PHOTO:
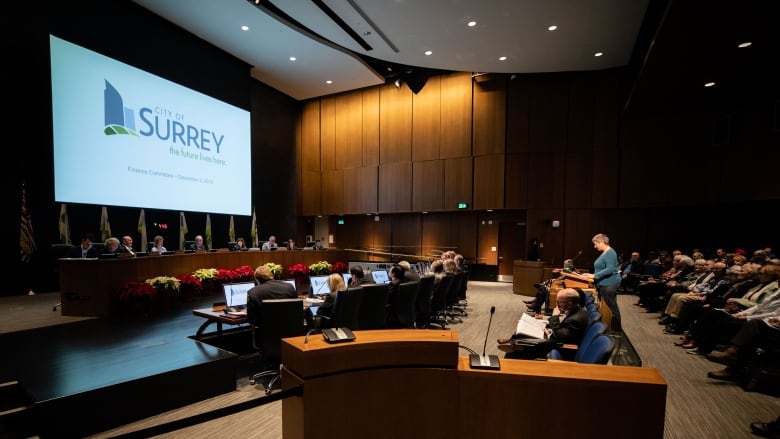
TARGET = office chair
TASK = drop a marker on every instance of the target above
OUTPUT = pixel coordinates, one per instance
(403, 305)
(453, 315)
(594, 330)
(280, 318)
(346, 311)
(438, 315)
(373, 306)
(422, 305)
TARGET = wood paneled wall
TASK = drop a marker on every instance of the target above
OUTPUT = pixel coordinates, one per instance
(549, 147)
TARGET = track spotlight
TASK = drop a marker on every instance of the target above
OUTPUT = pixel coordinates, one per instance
(398, 83)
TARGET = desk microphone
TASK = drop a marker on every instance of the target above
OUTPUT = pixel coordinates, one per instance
(485, 361)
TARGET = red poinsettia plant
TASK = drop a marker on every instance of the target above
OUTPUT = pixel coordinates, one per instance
(244, 272)
(339, 267)
(298, 270)
(189, 284)
(136, 290)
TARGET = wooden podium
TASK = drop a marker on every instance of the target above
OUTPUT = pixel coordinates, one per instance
(414, 383)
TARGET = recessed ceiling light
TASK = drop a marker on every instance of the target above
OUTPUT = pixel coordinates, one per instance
(244, 27)
(553, 27)
(329, 81)
(292, 58)
(471, 23)
(428, 53)
(598, 54)
(709, 84)
(502, 58)
(745, 44)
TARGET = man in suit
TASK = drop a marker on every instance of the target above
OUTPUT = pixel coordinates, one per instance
(358, 277)
(198, 244)
(126, 246)
(85, 250)
(630, 272)
(566, 325)
(267, 288)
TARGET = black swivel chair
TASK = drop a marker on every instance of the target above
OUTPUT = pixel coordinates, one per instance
(346, 311)
(438, 315)
(453, 314)
(422, 306)
(403, 305)
(373, 306)
(280, 318)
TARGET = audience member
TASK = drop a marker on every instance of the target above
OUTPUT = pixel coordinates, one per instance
(566, 325)
(198, 244)
(460, 262)
(760, 289)
(158, 245)
(631, 272)
(85, 249)
(718, 282)
(766, 429)
(270, 244)
(396, 279)
(267, 288)
(605, 276)
(754, 333)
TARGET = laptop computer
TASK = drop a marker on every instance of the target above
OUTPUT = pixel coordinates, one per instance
(380, 277)
(290, 281)
(236, 296)
(319, 285)
(347, 278)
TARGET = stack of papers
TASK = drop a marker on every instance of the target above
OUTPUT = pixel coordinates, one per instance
(530, 326)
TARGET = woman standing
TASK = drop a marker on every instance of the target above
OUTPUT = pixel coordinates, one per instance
(606, 277)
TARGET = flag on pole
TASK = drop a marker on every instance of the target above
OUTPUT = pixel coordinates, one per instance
(26, 238)
(182, 230)
(253, 232)
(232, 230)
(64, 225)
(207, 238)
(142, 230)
(105, 226)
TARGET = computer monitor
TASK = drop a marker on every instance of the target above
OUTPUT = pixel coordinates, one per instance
(380, 277)
(347, 278)
(236, 294)
(319, 285)
(290, 281)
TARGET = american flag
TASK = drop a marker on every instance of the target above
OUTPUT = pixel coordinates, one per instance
(26, 239)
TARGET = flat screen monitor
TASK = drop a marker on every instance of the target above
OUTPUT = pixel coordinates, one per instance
(380, 277)
(236, 294)
(319, 285)
(290, 281)
(347, 278)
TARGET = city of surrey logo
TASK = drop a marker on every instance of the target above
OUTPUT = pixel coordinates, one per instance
(118, 119)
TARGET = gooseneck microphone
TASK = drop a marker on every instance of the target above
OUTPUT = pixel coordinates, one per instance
(485, 361)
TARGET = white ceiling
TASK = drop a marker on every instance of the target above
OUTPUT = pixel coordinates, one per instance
(516, 29)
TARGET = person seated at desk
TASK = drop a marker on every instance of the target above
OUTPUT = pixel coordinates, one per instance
(270, 244)
(335, 284)
(127, 246)
(85, 250)
(318, 245)
(111, 246)
(240, 245)
(267, 288)
(291, 244)
(566, 325)
(158, 245)
(358, 277)
(198, 244)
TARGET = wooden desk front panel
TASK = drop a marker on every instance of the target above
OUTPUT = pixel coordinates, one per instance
(374, 403)
(595, 401)
(88, 286)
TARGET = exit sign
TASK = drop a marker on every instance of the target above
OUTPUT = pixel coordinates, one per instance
(463, 205)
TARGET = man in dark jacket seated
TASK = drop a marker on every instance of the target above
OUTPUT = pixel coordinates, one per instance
(567, 325)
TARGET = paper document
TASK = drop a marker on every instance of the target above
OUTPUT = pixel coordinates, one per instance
(530, 326)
